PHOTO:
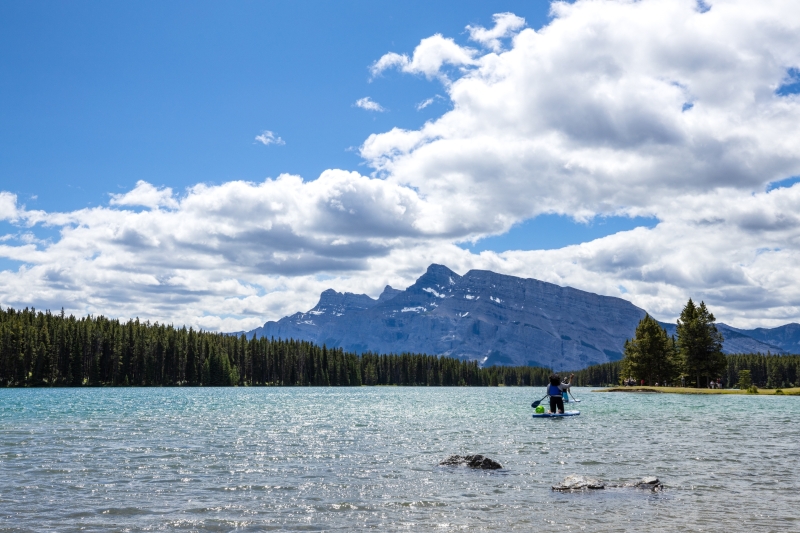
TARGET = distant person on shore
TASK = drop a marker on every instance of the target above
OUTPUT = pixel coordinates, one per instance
(556, 392)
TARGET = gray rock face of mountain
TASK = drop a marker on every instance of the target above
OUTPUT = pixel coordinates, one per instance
(780, 340)
(388, 293)
(489, 317)
(784, 338)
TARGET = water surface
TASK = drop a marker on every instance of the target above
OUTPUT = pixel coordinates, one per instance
(326, 459)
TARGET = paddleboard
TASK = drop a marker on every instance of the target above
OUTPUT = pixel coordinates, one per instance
(556, 415)
(570, 399)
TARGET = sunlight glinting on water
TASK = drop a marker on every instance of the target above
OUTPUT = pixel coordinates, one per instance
(219, 459)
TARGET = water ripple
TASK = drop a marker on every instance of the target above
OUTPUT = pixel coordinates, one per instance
(326, 459)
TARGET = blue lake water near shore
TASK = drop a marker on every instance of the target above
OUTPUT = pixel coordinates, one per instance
(258, 459)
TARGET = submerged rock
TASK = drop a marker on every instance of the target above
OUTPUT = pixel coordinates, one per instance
(473, 461)
(575, 482)
(650, 483)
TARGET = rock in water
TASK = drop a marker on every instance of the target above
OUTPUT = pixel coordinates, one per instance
(473, 461)
(479, 461)
(575, 482)
(650, 483)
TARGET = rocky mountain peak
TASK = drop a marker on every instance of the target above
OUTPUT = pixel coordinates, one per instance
(494, 319)
(342, 302)
(437, 277)
(388, 293)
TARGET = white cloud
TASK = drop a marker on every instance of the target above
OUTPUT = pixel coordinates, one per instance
(429, 57)
(8, 206)
(369, 104)
(387, 61)
(267, 137)
(223, 251)
(505, 25)
(428, 101)
(423, 104)
(146, 195)
(741, 260)
(583, 117)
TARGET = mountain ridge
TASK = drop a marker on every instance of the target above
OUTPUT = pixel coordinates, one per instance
(482, 316)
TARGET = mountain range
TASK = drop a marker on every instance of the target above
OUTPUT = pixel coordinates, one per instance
(494, 319)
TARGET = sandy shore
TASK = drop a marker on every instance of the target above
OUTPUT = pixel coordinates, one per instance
(690, 390)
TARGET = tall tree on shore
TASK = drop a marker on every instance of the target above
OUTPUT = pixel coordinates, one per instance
(699, 343)
(651, 354)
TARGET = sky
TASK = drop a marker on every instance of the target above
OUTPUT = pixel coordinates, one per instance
(217, 165)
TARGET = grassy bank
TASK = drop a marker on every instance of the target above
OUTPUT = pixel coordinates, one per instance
(691, 390)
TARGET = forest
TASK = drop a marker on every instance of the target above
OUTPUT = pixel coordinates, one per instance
(692, 357)
(767, 371)
(41, 349)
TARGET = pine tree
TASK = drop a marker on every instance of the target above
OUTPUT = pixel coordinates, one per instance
(745, 380)
(699, 343)
(650, 355)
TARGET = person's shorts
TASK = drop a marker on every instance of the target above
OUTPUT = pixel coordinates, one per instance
(556, 404)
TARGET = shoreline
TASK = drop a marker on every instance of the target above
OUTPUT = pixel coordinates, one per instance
(795, 391)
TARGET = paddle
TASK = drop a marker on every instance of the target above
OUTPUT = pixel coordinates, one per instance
(573, 398)
(536, 403)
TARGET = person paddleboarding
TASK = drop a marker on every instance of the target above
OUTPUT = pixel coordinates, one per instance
(556, 392)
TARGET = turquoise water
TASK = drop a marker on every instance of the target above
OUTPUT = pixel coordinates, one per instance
(235, 459)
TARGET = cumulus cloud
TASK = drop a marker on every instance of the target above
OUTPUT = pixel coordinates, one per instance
(146, 195)
(369, 104)
(219, 250)
(586, 116)
(505, 25)
(8, 206)
(434, 52)
(230, 256)
(428, 58)
(267, 137)
(388, 61)
(740, 259)
(653, 108)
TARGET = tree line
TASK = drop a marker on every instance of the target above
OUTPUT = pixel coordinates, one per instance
(694, 356)
(41, 349)
(766, 371)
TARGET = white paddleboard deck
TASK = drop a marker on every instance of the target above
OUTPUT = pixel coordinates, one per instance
(556, 415)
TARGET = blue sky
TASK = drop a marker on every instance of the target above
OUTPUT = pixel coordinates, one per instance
(99, 95)
(643, 150)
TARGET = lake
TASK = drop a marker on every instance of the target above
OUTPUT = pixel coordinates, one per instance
(326, 459)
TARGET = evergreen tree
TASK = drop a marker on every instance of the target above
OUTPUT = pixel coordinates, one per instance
(745, 379)
(650, 355)
(700, 344)
(42, 349)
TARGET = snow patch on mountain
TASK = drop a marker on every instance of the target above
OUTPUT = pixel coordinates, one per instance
(520, 322)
